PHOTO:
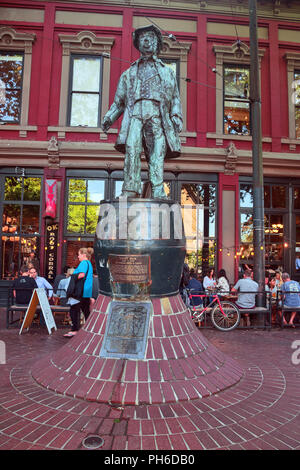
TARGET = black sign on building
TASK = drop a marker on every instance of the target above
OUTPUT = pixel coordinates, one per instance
(51, 251)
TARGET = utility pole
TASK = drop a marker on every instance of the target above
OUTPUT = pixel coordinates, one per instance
(258, 184)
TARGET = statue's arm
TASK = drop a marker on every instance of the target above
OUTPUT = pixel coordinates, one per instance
(176, 111)
(117, 107)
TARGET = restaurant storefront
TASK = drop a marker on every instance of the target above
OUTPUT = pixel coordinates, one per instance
(56, 241)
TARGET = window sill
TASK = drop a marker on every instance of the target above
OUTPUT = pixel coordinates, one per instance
(220, 137)
(291, 142)
(62, 130)
(18, 127)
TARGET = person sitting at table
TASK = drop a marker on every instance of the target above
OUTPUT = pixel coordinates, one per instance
(247, 289)
(291, 297)
(195, 287)
(222, 282)
(23, 287)
(61, 291)
(209, 284)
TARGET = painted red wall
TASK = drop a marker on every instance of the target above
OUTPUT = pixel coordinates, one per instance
(47, 62)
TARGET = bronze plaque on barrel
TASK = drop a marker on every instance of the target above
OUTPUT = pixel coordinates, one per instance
(130, 269)
(127, 330)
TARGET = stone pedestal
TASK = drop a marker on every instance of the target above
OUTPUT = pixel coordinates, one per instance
(179, 363)
(139, 344)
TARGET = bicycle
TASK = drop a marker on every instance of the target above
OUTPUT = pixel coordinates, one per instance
(225, 315)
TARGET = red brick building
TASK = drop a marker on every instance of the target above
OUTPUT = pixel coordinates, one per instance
(59, 67)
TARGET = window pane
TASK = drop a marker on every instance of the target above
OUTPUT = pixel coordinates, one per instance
(86, 74)
(276, 228)
(32, 189)
(28, 244)
(30, 219)
(246, 195)
(298, 235)
(236, 118)
(297, 197)
(95, 190)
(278, 197)
(10, 108)
(246, 228)
(76, 217)
(236, 81)
(84, 111)
(11, 218)
(10, 256)
(118, 188)
(297, 117)
(77, 190)
(296, 94)
(13, 188)
(92, 213)
(174, 65)
(267, 196)
(11, 69)
(207, 195)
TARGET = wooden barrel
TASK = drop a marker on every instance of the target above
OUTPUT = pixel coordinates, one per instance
(141, 227)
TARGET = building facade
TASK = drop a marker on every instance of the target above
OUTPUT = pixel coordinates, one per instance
(59, 67)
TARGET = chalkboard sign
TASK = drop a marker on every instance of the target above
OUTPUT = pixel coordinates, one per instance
(39, 297)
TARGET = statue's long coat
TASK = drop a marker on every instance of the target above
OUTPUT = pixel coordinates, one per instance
(167, 95)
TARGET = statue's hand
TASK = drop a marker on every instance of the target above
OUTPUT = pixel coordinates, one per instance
(177, 123)
(106, 123)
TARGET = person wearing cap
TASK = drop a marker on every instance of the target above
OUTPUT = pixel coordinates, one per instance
(147, 96)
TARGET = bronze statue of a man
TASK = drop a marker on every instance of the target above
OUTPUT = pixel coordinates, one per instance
(147, 94)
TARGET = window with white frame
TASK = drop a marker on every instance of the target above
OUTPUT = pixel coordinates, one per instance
(85, 80)
(85, 91)
(11, 73)
(236, 104)
(293, 83)
(15, 76)
(232, 90)
(297, 103)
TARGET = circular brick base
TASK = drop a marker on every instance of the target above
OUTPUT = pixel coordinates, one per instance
(180, 364)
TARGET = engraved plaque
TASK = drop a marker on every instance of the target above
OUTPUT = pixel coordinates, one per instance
(127, 330)
(129, 269)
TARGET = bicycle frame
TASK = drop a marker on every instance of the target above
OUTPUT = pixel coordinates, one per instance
(225, 315)
(215, 298)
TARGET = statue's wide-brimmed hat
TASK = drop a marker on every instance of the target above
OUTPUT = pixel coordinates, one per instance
(153, 28)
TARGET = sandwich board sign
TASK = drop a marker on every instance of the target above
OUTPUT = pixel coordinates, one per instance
(39, 297)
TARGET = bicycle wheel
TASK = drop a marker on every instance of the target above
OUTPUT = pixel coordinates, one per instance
(228, 319)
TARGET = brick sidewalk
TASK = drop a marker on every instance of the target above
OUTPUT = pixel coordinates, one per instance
(260, 412)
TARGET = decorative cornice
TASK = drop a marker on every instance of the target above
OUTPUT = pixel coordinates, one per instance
(12, 40)
(85, 41)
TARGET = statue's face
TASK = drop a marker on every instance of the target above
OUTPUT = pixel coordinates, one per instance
(148, 43)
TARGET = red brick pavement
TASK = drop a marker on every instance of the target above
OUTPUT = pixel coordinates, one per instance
(260, 412)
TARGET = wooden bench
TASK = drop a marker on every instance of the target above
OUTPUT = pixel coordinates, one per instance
(21, 310)
(12, 308)
(265, 311)
(281, 309)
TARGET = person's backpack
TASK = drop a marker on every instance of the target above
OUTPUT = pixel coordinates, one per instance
(76, 286)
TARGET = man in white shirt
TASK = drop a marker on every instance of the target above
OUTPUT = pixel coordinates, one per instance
(41, 282)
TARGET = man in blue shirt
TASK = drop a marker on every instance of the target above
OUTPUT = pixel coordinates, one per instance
(196, 288)
(41, 282)
(291, 296)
